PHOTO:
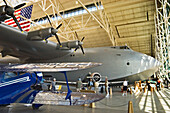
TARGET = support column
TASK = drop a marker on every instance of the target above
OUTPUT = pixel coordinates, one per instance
(162, 44)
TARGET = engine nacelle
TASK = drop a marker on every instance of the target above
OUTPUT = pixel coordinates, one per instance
(39, 34)
(3, 15)
(96, 77)
(2, 10)
(71, 44)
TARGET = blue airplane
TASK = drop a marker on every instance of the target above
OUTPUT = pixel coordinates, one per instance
(19, 87)
(21, 83)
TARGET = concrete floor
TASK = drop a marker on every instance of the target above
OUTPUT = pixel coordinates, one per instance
(155, 102)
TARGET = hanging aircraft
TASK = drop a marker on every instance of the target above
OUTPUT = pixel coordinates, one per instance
(21, 83)
(118, 62)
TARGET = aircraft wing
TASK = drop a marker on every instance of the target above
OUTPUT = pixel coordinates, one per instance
(85, 83)
(111, 83)
(70, 83)
(48, 67)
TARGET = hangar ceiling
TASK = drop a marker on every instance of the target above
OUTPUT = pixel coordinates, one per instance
(132, 22)
(109, 22)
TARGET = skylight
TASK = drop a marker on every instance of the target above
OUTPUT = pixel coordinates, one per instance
(69, 13)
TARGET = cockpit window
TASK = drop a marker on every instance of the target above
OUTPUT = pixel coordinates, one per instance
(124, 47)
(10, 75)
(121, 47)
(21, 73)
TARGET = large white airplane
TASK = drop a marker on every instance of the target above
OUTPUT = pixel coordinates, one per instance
(28, 47)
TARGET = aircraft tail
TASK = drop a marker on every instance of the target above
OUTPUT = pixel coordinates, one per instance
(24, 12)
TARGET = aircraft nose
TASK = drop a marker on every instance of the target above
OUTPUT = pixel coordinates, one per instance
(149, 62)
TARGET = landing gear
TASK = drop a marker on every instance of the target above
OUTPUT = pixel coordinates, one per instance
(36, 106)
(4, 105)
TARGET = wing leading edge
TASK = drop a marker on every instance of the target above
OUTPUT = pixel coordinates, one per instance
(48, 67)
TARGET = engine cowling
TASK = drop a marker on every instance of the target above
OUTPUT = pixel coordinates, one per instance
(96, 77)
(3, 14)
(72, 44)
(2, 10)
(39, 34)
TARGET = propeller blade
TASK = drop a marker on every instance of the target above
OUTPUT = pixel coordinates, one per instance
(46, 41)
(80, 43)
(82, 49)
(49, 20)
(16, 21)
(5, 3)
(57, 39)
(10, 12)
(59, 26)
(77, 35)
(19, 6)
(82, 39)
(76, 49)
(54, 33)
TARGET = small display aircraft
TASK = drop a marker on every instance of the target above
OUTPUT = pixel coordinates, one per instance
(21, 83)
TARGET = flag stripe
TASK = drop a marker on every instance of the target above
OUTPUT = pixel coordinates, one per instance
(9, 20)
(18, 11)
(27, 30)
(22, 23)
(23, 26)
(25, 23)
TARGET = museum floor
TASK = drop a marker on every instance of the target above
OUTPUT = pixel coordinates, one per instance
(155, 102)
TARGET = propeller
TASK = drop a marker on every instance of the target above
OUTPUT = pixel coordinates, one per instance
(19, 6)
(54, 31)
(80, 43)
(10, 11)
(5, 2)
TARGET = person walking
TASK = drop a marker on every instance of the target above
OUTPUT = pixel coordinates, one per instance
(79, 84)
(52, 86)
(125, 84)
(106, 87)
(158, 85)
(90, 84)
(96, 86)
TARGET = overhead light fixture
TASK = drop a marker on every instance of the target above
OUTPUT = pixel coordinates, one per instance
(76, 2)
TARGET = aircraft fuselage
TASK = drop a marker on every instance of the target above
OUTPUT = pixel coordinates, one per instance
(117, 64)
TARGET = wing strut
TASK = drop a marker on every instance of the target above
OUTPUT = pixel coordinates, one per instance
(69, 91)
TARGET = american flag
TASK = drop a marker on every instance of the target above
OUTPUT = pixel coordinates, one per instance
(25, 24)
